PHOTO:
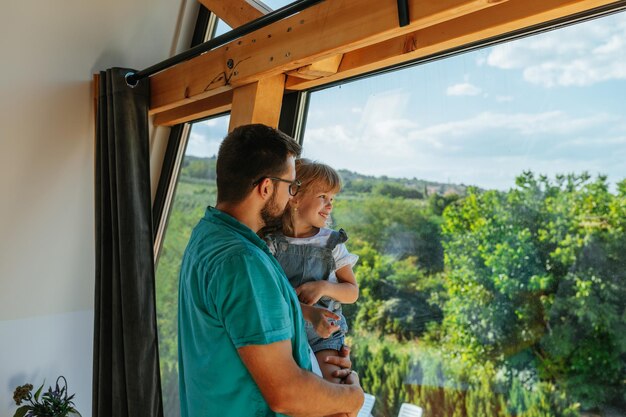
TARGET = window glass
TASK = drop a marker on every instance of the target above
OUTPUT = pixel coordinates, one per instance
(486, 197)
(277, 4)
(195, 190)
(222, 27)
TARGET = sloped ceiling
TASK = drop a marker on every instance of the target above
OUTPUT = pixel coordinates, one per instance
(49, 51)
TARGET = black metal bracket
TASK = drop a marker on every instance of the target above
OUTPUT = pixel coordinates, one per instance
(403, 12)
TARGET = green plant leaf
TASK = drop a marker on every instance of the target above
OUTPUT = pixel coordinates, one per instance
(75, 412)
(20, 412)
(39, 392)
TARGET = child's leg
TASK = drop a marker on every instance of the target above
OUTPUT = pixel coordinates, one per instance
(327, 368)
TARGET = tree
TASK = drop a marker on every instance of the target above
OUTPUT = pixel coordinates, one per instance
(536, 281)
(395, 227)
(395, 190)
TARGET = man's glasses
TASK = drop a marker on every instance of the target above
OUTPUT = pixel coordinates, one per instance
(294, 185)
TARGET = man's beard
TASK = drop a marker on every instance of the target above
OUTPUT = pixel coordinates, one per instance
(271, 214)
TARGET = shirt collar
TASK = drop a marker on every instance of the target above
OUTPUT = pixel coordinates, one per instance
(216, 216)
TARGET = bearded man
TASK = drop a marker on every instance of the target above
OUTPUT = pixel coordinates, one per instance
(243, 348)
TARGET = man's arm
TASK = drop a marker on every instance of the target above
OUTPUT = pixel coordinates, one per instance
(290, 390)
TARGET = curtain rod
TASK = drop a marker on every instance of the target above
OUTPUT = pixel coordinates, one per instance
(132, 78)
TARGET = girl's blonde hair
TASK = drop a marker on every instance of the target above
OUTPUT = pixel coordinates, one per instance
(315, 177)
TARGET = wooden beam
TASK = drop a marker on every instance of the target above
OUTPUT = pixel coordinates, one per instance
(258, 102)
(318, 69)
(234, 12)
(326, 29)
(463, 30)
(200, 109)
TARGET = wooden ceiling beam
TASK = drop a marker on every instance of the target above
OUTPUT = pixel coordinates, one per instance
(322, 31)
(258, 102)
(319, 69)
(200, 109)
(235, 12)
(504, 18)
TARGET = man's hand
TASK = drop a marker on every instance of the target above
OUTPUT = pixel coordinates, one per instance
(311, 292)
(324, 322)
(351, 379)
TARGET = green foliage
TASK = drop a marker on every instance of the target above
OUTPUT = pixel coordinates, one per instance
(355, 183)
(394, 296)
(393, 190)
(524, 315)
(396, 227)
(437, 203)
(539, 271)
(189, 205)
(198, 168)
(383, 369)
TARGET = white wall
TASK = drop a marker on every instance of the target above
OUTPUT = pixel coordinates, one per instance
(48, 53)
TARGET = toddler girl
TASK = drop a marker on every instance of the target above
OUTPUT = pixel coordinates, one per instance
(316, 261)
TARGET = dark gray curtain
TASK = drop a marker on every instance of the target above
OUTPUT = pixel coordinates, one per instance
(126, 381)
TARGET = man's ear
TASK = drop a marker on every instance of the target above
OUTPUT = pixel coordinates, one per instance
(265, 188)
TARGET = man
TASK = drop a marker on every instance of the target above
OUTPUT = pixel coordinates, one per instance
(242, 344)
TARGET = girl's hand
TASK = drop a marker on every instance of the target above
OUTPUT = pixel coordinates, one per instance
(324, 322)
(342, 361)
(311, 292)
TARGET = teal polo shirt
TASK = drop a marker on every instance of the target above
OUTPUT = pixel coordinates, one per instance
(232, 293)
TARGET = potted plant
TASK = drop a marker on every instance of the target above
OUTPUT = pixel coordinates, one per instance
(53, 403)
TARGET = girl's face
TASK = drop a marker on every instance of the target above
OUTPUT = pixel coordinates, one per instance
(314, 208)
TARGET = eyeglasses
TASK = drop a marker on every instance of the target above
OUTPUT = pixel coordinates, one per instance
(294, 185)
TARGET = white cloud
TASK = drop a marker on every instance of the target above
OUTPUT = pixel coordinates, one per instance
(212, 122)
(504, 99)
(200, 145)
(579, 55)
(463, 89)
(520, 124)
(382, 130)
(488, 149)
(205, 137)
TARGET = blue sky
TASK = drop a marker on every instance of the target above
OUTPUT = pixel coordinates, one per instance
(552, 103)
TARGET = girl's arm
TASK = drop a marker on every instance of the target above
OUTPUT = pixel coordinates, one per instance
(319, 318)
(345, 291)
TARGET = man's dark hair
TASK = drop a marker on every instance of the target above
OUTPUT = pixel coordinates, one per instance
(248, 153)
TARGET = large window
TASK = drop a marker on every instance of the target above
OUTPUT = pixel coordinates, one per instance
(486, 197)
(195, 191)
